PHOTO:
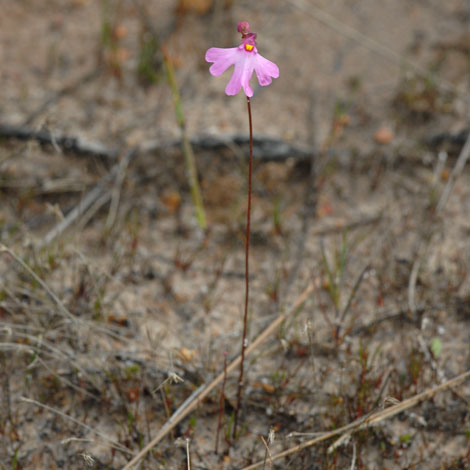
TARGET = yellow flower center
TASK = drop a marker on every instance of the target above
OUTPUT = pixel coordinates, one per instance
(248, 47)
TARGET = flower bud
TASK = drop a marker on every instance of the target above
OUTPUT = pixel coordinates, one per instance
(244, 28)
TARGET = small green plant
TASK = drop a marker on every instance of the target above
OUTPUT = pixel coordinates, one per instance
(149, 58)
(192, 425)
(335, 277)
(130, 421)
(277, 217)
(405, 438)
(436, 347)
(415, 365)
(278, 378)
(335, 271)
(131, 371)
(106, 24)
(14, 462)
(229, 428)
(272, 287)
(420, 98)
(110, 52)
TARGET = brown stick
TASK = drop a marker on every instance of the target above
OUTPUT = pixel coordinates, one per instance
(371, 419)
(267, 454)
(265, 148)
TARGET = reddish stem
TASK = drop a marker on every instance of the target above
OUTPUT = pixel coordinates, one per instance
(247, 275)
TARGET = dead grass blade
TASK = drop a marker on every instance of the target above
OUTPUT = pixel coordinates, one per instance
(424, 248)
(268, 454)
(456, 171)
(110, 442)
(99, 193)
(370, 420)
(65, 312)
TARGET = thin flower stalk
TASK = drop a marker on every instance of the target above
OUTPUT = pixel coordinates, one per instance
(245, 60)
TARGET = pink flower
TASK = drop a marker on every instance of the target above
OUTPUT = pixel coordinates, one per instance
(245, 59)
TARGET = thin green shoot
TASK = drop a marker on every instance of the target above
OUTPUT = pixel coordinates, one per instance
(149, 47)
(188, 153)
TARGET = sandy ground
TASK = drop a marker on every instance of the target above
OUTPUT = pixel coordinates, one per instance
(134, 289)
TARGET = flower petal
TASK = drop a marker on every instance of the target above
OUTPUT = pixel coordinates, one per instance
(248, 67)
(242, 73)
(245, 61)
(235, 83)
(265, 70)
(222, 58)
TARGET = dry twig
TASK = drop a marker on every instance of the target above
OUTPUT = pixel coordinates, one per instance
(65, 142)
(54, 297)
(98, 196)
(268, 454)
(103, 436)
(265, 148)
(370, 420)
